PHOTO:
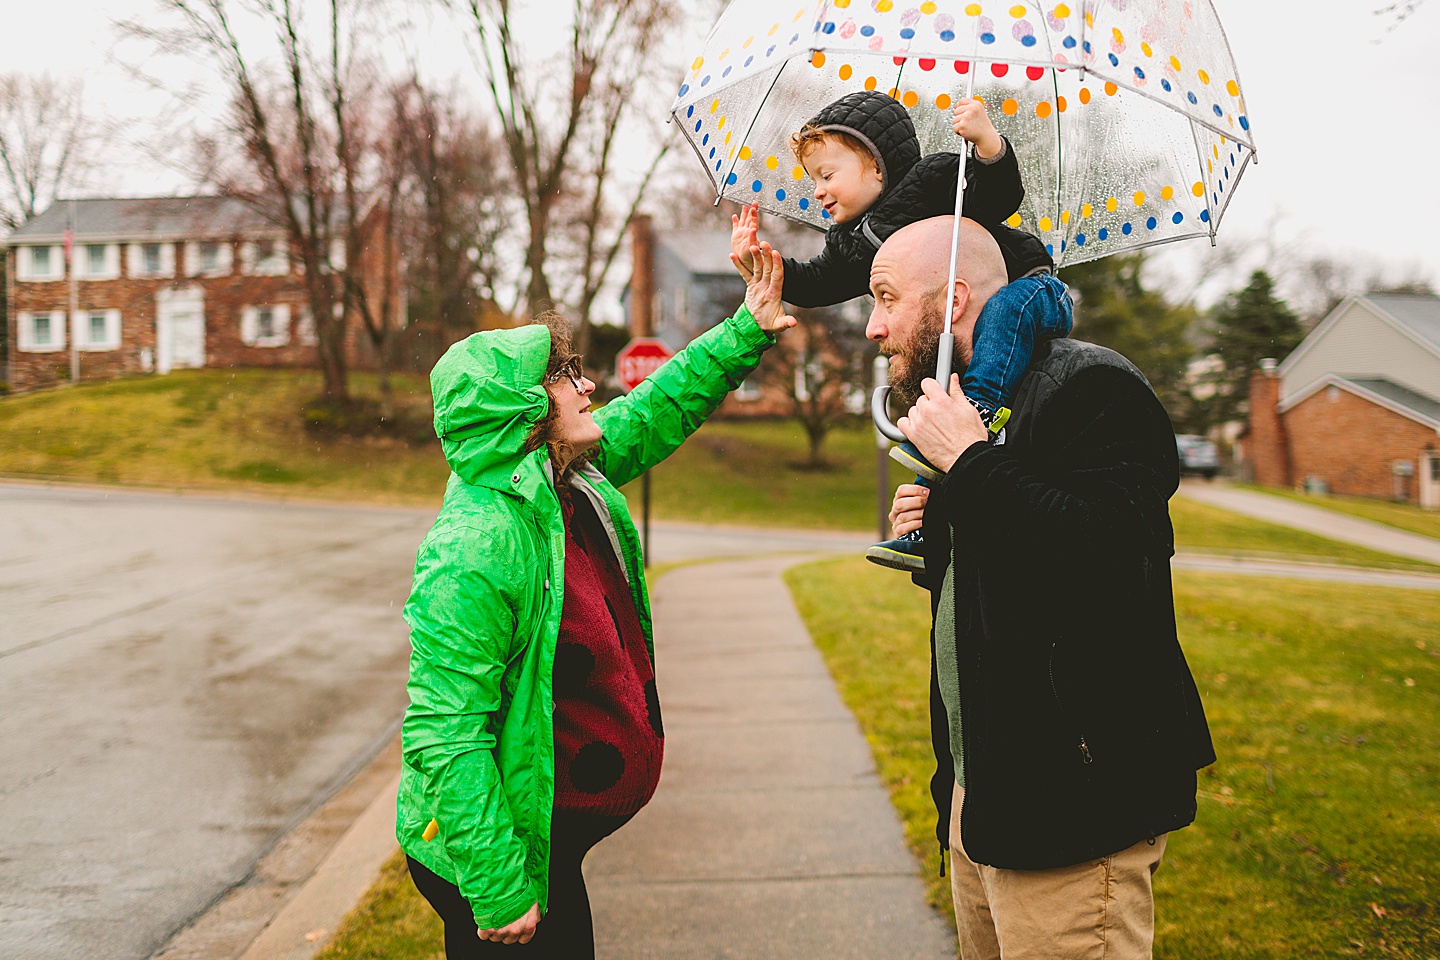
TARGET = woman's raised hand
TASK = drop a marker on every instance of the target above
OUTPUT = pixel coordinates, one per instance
(763, 289)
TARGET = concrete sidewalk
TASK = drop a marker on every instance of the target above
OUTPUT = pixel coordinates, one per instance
(771, 834)
(1317, 520)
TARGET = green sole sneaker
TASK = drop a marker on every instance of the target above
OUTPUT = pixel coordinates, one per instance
(888, 556)
(920, 467)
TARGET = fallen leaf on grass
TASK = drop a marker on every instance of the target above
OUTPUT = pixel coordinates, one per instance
(1409, 682)
(1378, 910)
(314, 935)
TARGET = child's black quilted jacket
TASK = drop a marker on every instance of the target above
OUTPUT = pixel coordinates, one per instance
(913, 188)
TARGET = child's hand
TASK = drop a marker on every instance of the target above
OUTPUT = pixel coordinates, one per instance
(744, 234)
(973, 123)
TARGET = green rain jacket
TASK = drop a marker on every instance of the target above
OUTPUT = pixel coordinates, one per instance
(478, 782)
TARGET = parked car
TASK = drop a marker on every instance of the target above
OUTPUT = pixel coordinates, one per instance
(1198, 456)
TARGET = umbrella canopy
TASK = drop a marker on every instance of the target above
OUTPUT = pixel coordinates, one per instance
(1126, 115)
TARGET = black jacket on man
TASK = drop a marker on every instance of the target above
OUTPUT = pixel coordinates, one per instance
(1082, 728)
(912, 188)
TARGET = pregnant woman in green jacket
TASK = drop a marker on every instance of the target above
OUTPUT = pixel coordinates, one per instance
(534, 729)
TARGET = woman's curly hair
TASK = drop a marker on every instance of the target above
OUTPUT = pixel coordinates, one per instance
(562, 353)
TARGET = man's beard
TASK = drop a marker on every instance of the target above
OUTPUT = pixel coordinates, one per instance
(914, 359)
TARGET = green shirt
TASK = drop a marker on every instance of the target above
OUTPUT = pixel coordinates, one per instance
(947, 668)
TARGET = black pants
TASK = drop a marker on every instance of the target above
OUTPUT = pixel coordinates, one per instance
(564, 933)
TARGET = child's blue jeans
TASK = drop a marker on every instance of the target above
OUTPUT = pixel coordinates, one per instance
(1019, 315)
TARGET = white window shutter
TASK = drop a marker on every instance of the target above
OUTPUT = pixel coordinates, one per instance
(112, 329)
(135, 259)
(282, 325)
(249, 326)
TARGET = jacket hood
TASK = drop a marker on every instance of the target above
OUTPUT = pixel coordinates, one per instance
(882, 124)
(488, 394)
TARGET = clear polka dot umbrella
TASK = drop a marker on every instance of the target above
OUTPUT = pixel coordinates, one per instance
(1127, 116)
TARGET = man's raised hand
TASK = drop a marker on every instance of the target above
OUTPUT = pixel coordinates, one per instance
(744, 236)
(763, 288)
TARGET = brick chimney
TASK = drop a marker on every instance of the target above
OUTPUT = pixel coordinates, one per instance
(642, 276)
(1269, 444)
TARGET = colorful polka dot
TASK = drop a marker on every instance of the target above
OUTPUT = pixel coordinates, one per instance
(1009, 108)
(1085, 211)
(846, 72)
(1046, 225)
(757, 186)
(1085, 95)
(817, 59)
(910, 99)
(1232, 88)
(1139, 198)
(1014, 220)
(870, 84)
(772, 163)
(1198, 189)
(942, 102)
(798, 173)
(1042, 109)
(1112, 204)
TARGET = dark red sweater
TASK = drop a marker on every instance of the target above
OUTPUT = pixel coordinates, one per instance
(609, 742)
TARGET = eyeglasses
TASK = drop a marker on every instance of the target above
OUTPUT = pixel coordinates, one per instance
(571, 370)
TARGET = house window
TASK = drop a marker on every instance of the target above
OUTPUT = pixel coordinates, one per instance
(99, 330)
(150, 259)
(747, 390)
(40, 263)
(94, 259)
(209, 257)
(40, 332)
(265, 258)
(265, 326)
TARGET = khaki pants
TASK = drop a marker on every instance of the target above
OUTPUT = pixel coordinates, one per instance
(1099, 910)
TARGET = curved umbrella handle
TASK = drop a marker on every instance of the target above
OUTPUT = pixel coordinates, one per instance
(881, 416)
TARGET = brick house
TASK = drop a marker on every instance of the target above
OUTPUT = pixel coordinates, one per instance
(1355, 409)
(161, 284)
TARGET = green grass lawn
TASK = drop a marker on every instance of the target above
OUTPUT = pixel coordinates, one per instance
(1401, 515)
(241, 430)
(213, 430)
(1201, 528)
(1319, 828)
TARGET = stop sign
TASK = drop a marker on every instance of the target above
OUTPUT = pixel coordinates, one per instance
(638, 359)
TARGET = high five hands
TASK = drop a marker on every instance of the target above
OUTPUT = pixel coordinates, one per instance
(744, 237)
(764, 281)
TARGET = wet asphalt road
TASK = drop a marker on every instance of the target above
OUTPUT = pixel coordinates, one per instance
(181, 679)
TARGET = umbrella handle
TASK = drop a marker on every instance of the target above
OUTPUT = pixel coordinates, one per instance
(881, 415)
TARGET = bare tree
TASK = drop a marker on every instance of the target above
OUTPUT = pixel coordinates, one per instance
(605, 65)
(450, 213)
(819, 367)
(45, 142)
(306, 157)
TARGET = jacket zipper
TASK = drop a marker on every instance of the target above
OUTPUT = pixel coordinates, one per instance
(1083, 747)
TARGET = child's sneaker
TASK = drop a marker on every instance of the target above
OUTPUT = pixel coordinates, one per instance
(902, 553)
(903, 455)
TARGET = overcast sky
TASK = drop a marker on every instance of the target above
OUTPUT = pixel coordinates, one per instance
(1344, 112)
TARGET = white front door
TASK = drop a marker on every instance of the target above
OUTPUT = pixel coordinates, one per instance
(179, 329)
(1430, 480)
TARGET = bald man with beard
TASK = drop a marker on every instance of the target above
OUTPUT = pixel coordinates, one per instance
(1066, 724)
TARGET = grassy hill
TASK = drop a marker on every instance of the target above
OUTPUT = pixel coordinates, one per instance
(241, 430)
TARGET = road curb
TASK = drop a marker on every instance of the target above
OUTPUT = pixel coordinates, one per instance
(308, 922)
